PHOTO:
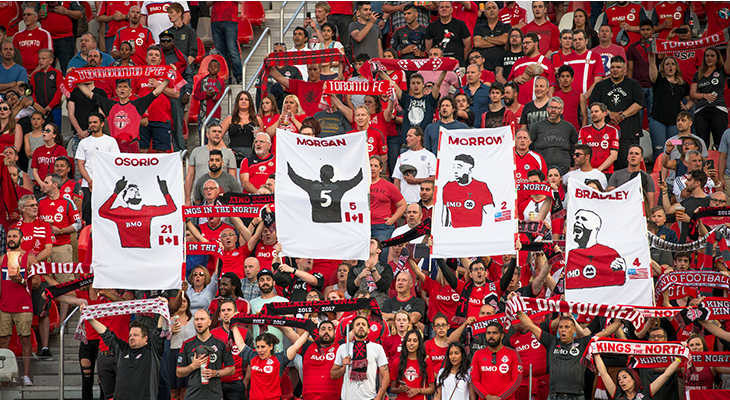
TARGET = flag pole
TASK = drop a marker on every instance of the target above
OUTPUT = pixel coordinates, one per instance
(347, 368)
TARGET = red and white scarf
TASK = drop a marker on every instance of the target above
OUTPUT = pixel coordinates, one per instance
(222, 210)
(43, 268)
(81, 75)
(292, 58)
(703, 279)
(203, 248)
(524, 304)
(699, 359)
(671, 46)
(633, 347)
(96, 311)
(413, 64)
(373, 88)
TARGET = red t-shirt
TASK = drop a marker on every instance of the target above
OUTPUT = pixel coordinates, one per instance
(480, 295)
(10, 16)
(160, 110)
(498, 379)
(377, 121)
(60, 212)
(383, 196)
(601, 142)
(265, 254)
(29, 42)
(224, 11)
(531, 352)
(44, 157)
(71, 189)
(715, 21)
(341, 7)
(266, 377)
(36, 235)
(317, 363)
(109, 8)
(571, 102)
(591, 267)
(512, 16)
(676, 12)
(441, 299)
(376, 145)
(468, 16)
(392, 345)
(141, 39)
(16, 297)
(222, 334)
(232, 260)
(631, 13)
(258, 172)
(689, 62)
(399, 77)
(59, 25)
(526, 93)
(587, 67)
(412, 377)
(548, 33)
(466, 202)
(134, 226)
(242, 306)
(436, 354)
(309, 94)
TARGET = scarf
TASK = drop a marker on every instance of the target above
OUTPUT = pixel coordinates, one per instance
(56, 291)
(44, 268)
(481, 324)
(246, 198)
(305, 307)
(553, 256)
(659, 312)
(96, 311)
(424, 228)
(661, 244)
(707, 261)
(535, 188)
(699, 359)
(533, 228)
(222, 211)
(463, 307)
(374, 88)
(633, 347)
(711, 279)
(203, 248)
(359, 361)
(277, 320)
(82, 75)
(710, 308)
(519, 303)
(291, 58)
(9, 194)
(704, 213)
(671, 46)
(415, 64)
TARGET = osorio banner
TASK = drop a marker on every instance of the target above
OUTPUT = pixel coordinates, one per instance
(608, 259)
(474, 212)
(137, 213)
(322, 196)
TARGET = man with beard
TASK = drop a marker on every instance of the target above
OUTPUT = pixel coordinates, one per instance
(297, 282)
(526, 69)
(268, 295)
(79, 107)
(16, 305)
(511, 91)
(602, 139)
(497, 370)
(378, 329)
(426, 201)
(447, 110)
(265, 162)
(70, 189)
(229, 289)
(474, 342)
(583, 170)
(317, 362)
(198, 160)
(232, 386)
(368, 362)
(554, 138)
(497, 115)
(136, 34)
(506, 60)
(592, 264)
(465, 198)
(208, 352)
(226, 182)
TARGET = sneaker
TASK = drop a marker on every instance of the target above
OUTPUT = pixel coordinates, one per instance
(27, 381)
(45, 354)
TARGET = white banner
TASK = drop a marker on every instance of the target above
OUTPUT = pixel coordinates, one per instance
(137, 218)
(475, 212)
(608, 260)
(322, 196)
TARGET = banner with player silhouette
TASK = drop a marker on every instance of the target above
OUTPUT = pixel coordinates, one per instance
(474, 210)
(608, 260)
(322, 196)
(137, 210)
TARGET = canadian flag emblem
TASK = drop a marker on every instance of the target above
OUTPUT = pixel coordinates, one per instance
(163, 239)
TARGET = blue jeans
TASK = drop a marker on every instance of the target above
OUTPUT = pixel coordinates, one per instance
(109, 44)
(393, 152)
(649, 97)
(158, 132)
(178, 119)
(64, 49)
(382, 232)
(57, 115)
(164, 384)
(659, 135)
(225, 39)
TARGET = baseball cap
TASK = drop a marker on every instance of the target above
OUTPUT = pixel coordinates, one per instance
(622, 39)
(264, 272)
(408, 169)
(167, 33)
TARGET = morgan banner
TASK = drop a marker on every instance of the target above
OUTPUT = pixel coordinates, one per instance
(137, 209)
(608, 259)
(322, 196)
(474, 212)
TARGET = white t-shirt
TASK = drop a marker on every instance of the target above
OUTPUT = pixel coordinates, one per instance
(89, 146)
(366, 389)
(157, 19)
(256, 305)
(425, 163)
(459, 389)
(581, 176)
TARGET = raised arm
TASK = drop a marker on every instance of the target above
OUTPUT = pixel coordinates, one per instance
(661, 379)
(278, 77)
(291, 352)
(416, 271)
(439, 82)
(161, 88)
(607, 381)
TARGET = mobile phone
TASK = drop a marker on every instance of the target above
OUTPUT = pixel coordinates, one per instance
(681, 30)
(711, 164)
(677, 142)
(309, 14)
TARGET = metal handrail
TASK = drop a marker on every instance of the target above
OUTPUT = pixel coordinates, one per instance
(267, 34)
(61, 388)
(291, 21)
(201, 128)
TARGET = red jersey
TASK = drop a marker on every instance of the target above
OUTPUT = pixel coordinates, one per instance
(676, 13)
(258, 170)
(497, 378)
(378, 330)
(526, 162)
(316, 364)
(717, 16)
(16, 297)
(480, 295)
(531, 352)
(44, 158)
(118, 324)
(548, 33)
(110, 8)
(441, 299)
(60, 212)
(601, 141)
(160, 110)
(36, 235)
(265, 254)
(689, 62)
(141, 39)
(571, 107)
(29, 42)
(377, 122)
(591, 267)
(59, 25)
(232, 260)
(526, 93)
(71, 190)
(134, 226)
(10, 16)
(383, 196)
(242, 306)
(587, 67)
(512, 16)
(698, 380)
(465, 203)
(436, 354)
(631, 13)
(376, 144)
(266, 375)
(392, 345)
(558, 58)
(412, 377)
(222, 334)
(309, 94)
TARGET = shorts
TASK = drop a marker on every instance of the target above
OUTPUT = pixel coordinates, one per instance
(22, 322)
(62, 254)
(158, 133)
(38, 302)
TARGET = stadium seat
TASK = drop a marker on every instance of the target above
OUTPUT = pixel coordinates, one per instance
(245, 31)
(201, 52)
(8, 366)
(566, 22)
(204, 65)
(16, 347)
(655, 178)
(658, 163)
(714, 155)
(204, 31)
(84, 241)
(254, 12)
(194, 104)
(584, 5)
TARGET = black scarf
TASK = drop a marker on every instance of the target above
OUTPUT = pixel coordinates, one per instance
(359, 361)
(53, 292)
(424, 228)
(276, 320)
(304, 307)
(232, 198)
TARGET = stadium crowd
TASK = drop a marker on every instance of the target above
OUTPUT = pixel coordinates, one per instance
(580, 100)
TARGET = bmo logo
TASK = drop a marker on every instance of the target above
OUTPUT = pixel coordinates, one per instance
(134, 224)
(328, 357)
(489, 368)
(136, 162)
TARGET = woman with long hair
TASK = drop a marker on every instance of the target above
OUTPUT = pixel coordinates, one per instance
(384, 197)
(45, 156)
(629, 385)
(670, 93)
(342, 270)
(290, 119)
(437, 346)
(182, 329)
(34, 139)
(268, 111)
(393, 343)
(700, 378)
(453, 380)
(11, 134)
(410, 386)
(707, 89)
(581, 21)
(242, 126)
(201, 287)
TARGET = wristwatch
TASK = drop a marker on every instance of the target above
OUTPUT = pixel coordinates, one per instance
(217, 374)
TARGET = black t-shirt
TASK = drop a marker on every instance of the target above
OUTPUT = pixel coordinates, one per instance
(645, 392)
(220, 359)
(667, 98)
(296, 289)
(618, 97)
(690, 205)
(715, 83)
(84, 106)
(450, 38)
(493, 119)
(668, 391)
(138, 366)
(469, 120)
(566, 370)
(417, 111)
(532, 114)
(413, 304)
(491, 54)
(507, 60)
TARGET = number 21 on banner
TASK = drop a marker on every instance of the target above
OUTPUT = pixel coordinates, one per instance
(167, 237)
(354, 217)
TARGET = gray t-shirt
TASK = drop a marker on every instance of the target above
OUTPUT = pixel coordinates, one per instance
(623, 175)
(369, 45)
(332, 123)
(566, 370)
(226, 182)
(554, 142)
(199, 159)
(431, 135)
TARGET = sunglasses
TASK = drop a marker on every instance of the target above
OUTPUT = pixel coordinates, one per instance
(198, 274)
(165, 40)
(47, 130)
(5, 108)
